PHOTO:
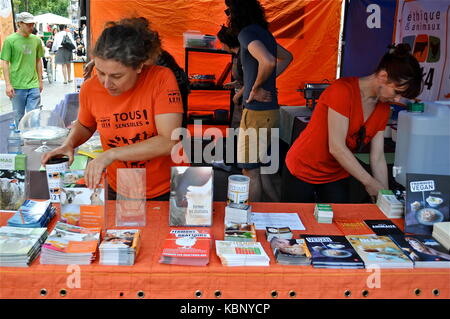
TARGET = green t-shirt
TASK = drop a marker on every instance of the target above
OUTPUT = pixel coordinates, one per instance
(21, 53)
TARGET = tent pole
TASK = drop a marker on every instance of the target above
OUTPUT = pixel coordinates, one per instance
(341, 43)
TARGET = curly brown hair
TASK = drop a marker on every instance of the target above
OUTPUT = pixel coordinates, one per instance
(129, 41)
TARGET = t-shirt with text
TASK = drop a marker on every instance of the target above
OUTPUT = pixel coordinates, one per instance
(129, 118)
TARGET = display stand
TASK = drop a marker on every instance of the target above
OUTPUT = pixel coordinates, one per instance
(131, 197)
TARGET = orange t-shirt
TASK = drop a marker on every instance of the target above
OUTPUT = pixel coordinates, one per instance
(309, 158)
(130, 118)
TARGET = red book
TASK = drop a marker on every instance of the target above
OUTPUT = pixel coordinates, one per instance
(187, 246)
(353, 227)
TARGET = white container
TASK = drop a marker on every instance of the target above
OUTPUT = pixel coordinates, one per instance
(238, 187)
(423, 142)
(54, 168)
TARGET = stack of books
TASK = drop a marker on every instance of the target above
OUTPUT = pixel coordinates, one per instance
(323, 213)
(240, 232)
(120, 247)
(441, 232)
(423, 250)
(332, 252)
(280, 232)
(189, 247)
(20, 246)
(380, 251)
(290, 251)
(389, 204)
(33, 214)
(236, 253)
(69, 244)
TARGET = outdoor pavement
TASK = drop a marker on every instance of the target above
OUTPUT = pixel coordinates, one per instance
(51, 95)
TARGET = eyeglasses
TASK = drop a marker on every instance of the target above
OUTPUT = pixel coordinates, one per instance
(360, 139)
(227, 11)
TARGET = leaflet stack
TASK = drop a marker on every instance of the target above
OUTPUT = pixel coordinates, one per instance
(120, 247)
(389, 204)
(236, 253)
(20, 246)
(69, 244)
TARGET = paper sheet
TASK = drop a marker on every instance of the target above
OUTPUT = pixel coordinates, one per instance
(291, 220)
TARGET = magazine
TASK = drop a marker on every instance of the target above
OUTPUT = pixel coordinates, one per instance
(332, 252)
(427, 202)
(380, 251)
(382, 227)
(191, 196)
(423, 250)
(290, 251)
(12, 181)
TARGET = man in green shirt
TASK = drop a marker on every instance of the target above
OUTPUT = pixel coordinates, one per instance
(21, 57)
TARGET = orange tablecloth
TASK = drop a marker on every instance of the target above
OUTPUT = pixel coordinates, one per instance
(150, 279)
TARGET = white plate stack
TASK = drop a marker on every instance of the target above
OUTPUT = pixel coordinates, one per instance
(441, 232)
(389, 204)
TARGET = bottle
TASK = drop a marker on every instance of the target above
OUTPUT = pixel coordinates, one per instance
(14, 140)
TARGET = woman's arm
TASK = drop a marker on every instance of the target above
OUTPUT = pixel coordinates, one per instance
(266, 65)
(378, 160)
(159, 145)
(284, 58)
(337, 133)
(77, 136)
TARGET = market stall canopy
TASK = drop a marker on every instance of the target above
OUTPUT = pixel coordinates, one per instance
(309, 29)
(51, 18)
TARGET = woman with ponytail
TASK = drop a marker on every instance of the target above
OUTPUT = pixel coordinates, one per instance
(350, 113)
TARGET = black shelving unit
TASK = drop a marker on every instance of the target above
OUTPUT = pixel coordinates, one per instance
(210, 90)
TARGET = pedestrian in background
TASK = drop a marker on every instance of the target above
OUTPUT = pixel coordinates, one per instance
(63, 54)
(21, 57)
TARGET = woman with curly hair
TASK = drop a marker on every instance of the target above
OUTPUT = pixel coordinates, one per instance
(158, 57)
(262, 60)
(134, 106)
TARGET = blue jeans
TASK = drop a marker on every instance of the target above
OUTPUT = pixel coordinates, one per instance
(25, 100)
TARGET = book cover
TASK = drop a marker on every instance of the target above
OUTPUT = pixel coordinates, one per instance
(423, 250)
(81, 206)
(191, 196)
(68, 238)
(332, 251)
(427, 202)
(380, 251)
(12, 181)
(290, 251)
(352, 227)
(382, 227)
(191, 245)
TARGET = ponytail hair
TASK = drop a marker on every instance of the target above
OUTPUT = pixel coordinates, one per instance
(403, 69)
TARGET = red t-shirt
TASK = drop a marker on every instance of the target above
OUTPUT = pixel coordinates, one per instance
(130, 118)
(309, 158)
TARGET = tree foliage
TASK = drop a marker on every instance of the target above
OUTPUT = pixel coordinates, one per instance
(37, 7)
